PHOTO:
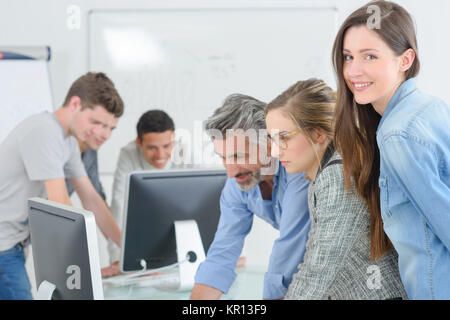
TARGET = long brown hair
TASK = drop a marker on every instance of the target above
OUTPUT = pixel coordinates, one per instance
(356, 125)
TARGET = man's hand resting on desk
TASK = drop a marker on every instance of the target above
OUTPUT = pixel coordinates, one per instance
(111, 271)
(204, 292)
(241, 261)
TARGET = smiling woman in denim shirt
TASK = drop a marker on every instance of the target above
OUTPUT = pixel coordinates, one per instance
(395, 143)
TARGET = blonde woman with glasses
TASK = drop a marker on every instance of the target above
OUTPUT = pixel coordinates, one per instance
(337, 262)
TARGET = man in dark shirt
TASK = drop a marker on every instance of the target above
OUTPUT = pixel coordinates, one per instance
(88, 149)
(89, 158)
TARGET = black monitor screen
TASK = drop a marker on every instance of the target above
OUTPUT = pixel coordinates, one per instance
(155, 201)
(65, 251)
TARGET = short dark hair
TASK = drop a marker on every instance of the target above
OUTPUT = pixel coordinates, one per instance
(154, 121)
(95, 88)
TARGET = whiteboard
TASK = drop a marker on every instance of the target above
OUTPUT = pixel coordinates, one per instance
(186, 61)
(24, 90)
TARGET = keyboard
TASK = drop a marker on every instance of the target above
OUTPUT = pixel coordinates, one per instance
(163, 281)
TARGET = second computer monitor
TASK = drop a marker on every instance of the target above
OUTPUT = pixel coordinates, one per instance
(155, 200)
(65, 251)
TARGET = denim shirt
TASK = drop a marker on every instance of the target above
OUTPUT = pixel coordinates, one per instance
(287, 212)
(414, 141)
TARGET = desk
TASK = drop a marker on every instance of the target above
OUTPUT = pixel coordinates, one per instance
(247, 286)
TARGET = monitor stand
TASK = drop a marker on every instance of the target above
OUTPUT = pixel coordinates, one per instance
(45, 291)
(190, 252)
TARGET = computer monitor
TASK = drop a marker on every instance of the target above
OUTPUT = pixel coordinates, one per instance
(159, 205)
(65, 251)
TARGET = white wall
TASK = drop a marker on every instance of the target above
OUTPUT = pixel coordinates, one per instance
(44, 22)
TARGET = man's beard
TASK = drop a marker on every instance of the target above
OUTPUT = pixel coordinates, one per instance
(251, 182)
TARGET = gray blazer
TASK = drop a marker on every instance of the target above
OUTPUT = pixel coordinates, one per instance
(337, 259)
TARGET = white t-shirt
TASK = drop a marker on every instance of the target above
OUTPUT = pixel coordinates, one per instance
(36, 150)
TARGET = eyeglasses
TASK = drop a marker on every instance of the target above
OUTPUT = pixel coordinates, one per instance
(281, 140)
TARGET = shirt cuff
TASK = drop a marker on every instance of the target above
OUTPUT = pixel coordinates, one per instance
(214, 275)
(273, 286)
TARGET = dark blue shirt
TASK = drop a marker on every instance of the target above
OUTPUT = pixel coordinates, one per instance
(90, 162)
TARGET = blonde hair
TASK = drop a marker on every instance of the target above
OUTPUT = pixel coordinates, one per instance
(310, 105)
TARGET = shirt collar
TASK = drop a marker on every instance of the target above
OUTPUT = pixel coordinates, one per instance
(404, 90)
(277, 168)
(149, 166)
(326, 157)
(55, 118)
(276, 172)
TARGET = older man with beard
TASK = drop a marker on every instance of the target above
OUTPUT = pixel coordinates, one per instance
(257, 185)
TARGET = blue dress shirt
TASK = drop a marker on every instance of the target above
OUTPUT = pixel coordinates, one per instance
(414, 141)
(287, 212)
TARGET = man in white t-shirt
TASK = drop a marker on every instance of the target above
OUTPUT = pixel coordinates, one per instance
(153, 149)
(35, 159)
